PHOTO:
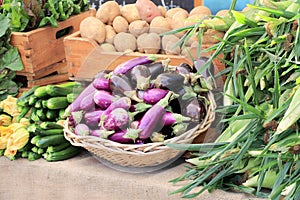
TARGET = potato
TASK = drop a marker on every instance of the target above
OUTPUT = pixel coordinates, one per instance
(109, 34)
(120, 24)
(125, 41)
(166, 38)
(130, 12)
(172, 11)
(160, 25)
(186, 51)
(178, 20)
(92, 28)
(222, 13)
(149, 43)
(163, 10)
(192, 39)
(208, 36)
(108, 11)
(200, 10)
(193, 19)
(107, 47)
(138, 27)
(195, 44)
(147, 10)
(170, 50)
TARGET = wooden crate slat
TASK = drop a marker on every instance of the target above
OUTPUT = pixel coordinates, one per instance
(49, 80)
(40, 48)
(60, 67)
(50, 75)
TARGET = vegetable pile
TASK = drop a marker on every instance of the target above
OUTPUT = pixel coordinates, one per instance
(10, 61)
(39, 113)
(142, 100)
(258, 150)
(143, 26)
(31, 14)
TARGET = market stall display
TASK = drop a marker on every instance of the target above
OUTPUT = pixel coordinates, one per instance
(139, 96)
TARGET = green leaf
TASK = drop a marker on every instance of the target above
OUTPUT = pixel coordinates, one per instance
(48, 20)
(12, 60)
(247, 106)
(4, 21)
(241, 18)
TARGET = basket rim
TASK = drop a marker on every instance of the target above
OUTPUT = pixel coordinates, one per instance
(186, 137)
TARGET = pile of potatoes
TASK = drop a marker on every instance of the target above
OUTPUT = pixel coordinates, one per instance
(141, 27)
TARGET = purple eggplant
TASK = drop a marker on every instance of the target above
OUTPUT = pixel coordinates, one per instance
(151, 121)
(103, 98)
(198, 65)
(152, 96)
(155, 69)
(95, 133)
(93, 118)
(117, 119)
(171, 81)
(71, 121)
(193, 109)
(82, 130)
(140, 75)
(187, 93)
(75, 105)
(87, 102)
(140, 93)
(184, 68)
(121, 85)
(125, 136)
(123, 102)
(124, 67)
(170, 118)
(101, 133)
(101, 83)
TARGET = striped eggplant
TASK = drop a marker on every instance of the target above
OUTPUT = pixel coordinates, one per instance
(117, 119)
(124, 67)
(151, 121)
(152, 96)
(103, 98)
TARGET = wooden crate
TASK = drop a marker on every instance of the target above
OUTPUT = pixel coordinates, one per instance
(84, 57)
(52, 74)
(43, 47)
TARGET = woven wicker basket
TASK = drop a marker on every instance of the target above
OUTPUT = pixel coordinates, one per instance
(150, 155)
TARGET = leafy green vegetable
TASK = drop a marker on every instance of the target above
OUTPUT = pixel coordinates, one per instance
(10, 61)
(27, 15)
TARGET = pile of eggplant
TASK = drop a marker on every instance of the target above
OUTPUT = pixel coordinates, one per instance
(143, 100)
